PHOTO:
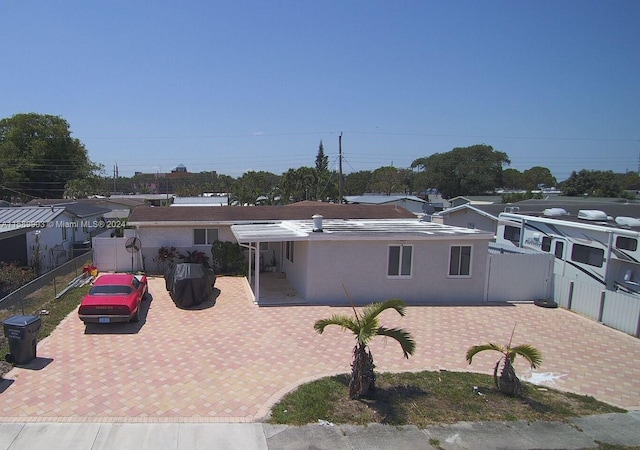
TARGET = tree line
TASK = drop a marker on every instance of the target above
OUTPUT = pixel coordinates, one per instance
(40, 159)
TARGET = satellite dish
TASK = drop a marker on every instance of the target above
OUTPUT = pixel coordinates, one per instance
(133, 245)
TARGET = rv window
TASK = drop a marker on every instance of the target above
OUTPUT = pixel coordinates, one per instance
(559, 253)
(587, 255)
(546, 244)
(625, 243)
(512, 234)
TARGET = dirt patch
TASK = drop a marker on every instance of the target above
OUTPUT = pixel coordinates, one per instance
(4, 366)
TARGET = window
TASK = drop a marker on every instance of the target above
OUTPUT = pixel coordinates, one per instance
(546, 244)
(288, 250)
(64, 232)
(460, 261)
(400, 260)
(205, 236)
(587, 255)
(625, 243)
(264, 246)
(559, 253)
(512, 234)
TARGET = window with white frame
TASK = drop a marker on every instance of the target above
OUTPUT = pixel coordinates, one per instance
(460, 261)
(400, 261)
(205, 236)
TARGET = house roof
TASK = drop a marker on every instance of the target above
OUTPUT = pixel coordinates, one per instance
(76, 207)
(201, 201)
(353, 229)
(467, 206)
(146, 215)
(381, 199)
(17, 220)
(29, 214)
(139, 197)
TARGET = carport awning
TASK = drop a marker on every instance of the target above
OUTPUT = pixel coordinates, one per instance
(266, 232)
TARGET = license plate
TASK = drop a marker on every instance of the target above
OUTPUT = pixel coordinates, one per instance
(104, 320)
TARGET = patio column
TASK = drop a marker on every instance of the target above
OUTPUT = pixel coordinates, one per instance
(256, 264)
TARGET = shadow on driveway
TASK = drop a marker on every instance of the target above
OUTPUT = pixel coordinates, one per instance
(124, 327)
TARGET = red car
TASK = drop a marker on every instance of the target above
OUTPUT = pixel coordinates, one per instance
(114, 298)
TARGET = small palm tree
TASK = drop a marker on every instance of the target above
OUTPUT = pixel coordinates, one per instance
(508, 383)
(365, 327)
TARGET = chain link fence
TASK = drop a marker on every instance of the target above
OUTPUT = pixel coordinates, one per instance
(56, 279)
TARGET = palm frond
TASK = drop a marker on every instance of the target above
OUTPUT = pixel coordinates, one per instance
(374, 309)
(473, 351)
(403, 337)
(368, 326)
(528, 352)
(345, 322)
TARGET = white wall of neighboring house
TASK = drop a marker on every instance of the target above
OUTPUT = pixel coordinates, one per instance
(53, 243)
(465, 217)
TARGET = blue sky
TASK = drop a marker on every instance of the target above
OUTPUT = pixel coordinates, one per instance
(234, 86)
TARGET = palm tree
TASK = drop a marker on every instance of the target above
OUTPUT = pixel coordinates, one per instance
(508, 383)
(365, 327)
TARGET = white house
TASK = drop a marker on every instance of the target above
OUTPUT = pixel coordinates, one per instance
(409, 202)
(35, 236)
(376, 259)
(468, 216)
(47, 236)
(209, 200)
(376, 251)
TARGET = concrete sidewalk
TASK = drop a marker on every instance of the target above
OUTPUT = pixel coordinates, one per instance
(581, 433)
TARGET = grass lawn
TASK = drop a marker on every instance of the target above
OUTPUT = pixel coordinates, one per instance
(429, 398)
(43, 299)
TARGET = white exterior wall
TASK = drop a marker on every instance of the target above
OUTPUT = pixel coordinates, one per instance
(464, 217)
(49, 238)
(153, 238)
(362, 267)
(297, 272)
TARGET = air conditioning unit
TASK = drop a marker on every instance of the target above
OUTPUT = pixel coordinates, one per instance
(593, 215)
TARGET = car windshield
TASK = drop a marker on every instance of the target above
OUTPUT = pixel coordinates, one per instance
(110, 290)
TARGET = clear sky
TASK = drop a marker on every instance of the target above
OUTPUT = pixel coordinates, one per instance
(236, 85)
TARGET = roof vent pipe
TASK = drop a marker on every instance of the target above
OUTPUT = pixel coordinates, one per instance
(317, 223)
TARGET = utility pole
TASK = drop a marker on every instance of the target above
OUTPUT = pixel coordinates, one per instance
(340, 181)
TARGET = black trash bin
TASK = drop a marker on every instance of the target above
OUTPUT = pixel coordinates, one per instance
(22, 332)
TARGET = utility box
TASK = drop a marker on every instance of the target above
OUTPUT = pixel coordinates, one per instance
(22, 333)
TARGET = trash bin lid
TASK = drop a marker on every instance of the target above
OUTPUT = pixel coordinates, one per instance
(21, 321)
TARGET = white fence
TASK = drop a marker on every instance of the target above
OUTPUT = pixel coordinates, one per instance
(619, 311)
(519, 277)
(110, 255)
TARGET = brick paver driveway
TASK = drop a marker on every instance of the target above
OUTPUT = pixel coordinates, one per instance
(231, 361)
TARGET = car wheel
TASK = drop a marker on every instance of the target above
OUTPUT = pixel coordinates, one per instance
(136, 316)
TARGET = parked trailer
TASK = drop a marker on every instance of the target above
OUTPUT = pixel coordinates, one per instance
(591, 247)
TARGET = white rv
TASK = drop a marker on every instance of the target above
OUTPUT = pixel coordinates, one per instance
(590, 247)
